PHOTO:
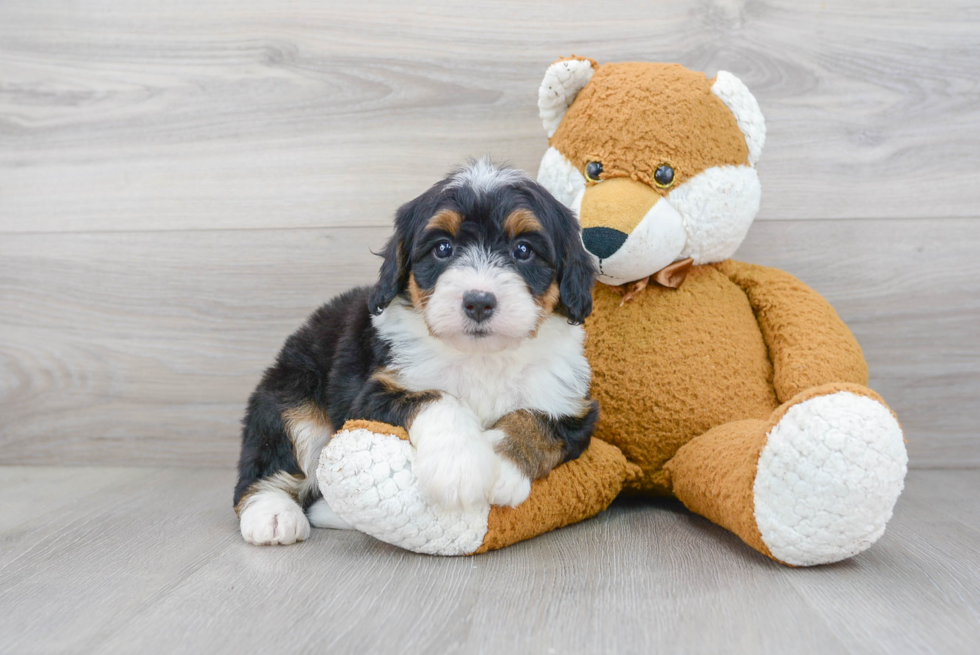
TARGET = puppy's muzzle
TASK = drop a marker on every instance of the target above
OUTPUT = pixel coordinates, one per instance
(479, 305)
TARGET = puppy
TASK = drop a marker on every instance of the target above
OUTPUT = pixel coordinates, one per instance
(471, 340)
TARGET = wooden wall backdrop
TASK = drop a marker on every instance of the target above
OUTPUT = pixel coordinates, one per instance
(182, 182)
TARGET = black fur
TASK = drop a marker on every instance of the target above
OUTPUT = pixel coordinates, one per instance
(575, 432)
(329, 362)
(558, 251)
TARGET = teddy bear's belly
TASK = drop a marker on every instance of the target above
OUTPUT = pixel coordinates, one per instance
(672, 364)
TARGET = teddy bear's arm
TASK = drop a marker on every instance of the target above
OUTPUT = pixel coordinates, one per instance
(809, 344)
(366, 475)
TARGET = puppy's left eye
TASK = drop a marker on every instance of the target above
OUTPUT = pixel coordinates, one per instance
(443, 250)
(523, 252)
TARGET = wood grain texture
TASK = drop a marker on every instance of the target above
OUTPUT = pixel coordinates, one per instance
(141, 348)
(118, 115)
(156, 564)
(182, 183)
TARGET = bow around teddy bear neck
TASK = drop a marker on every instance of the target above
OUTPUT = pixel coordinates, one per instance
(671, 276)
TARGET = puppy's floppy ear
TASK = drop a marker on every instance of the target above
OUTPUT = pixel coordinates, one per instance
(576, 277)
(409, 219)
(576, 269)
(393, 276)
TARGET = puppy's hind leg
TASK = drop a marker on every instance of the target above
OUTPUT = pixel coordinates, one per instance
(271, 483)
(269, 512)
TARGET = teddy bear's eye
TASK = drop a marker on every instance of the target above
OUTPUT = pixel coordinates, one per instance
(592, 171)
(663, 176)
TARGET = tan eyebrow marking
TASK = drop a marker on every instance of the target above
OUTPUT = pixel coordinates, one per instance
(520, 221)
(446, 220)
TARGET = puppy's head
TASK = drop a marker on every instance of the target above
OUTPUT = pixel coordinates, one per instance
(485, 256)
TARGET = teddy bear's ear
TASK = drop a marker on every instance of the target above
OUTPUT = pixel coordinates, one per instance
(743, 104)
(562, 82)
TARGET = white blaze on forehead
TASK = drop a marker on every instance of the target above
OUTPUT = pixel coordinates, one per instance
(484, 176)
(515, 316)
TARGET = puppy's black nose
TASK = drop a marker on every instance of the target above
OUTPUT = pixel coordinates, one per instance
(602, 241)
(479, 305)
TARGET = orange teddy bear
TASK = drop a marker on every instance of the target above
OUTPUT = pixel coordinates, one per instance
(732, 387)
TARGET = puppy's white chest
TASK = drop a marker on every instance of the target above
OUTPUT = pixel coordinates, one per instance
(548, 374)
(492, 388)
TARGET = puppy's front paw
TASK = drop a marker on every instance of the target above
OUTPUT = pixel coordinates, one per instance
(272, 518)
(512, 487)
(454, 461)
(458, 476)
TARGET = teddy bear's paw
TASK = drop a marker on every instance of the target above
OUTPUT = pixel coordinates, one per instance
(828, 478)
(368, 479)
(272, 518)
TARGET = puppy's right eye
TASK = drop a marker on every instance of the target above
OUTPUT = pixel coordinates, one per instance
(443, 250)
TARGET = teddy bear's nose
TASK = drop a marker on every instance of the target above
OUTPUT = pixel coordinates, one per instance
(602, 241)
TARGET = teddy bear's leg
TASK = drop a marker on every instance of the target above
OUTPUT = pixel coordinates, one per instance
(816, 483)
(366, 475)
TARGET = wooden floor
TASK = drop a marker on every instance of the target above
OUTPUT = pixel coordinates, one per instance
(150, 560)
(181, 183)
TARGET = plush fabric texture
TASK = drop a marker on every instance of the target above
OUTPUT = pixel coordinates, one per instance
(572, 492)
(633, 117)
(560, 177)
(366, 475)
(619, 204)
(808, 342)
(671, 364)
(736, 96)
(828, 477)
(367, 478)
(377, 427)
(562, 82)
(717, 207)
(740, 392)
(714, 476)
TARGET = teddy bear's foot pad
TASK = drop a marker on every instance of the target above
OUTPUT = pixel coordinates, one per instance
(367, 479)
(828, 478)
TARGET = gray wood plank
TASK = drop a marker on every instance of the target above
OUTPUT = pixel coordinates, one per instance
(141, 348)
(133, 115)
(45, 487)
(86, 569)
(930, 562)
(910, 292)
(158, 566)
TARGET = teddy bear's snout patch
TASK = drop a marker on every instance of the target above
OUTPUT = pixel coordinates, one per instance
(603, 242)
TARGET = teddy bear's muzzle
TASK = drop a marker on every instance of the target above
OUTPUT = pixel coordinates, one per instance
(629, 228)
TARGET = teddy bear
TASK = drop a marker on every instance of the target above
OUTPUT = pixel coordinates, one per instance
(732, 387)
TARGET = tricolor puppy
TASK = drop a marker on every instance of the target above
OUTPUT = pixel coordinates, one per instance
(471, 340)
